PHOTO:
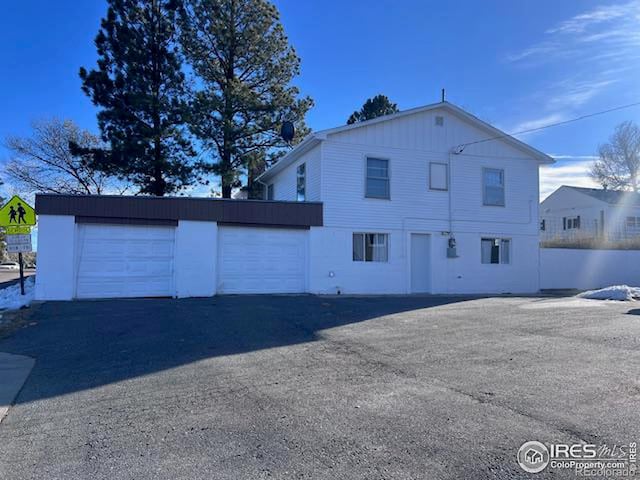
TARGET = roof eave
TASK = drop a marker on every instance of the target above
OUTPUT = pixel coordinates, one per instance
(304, 146)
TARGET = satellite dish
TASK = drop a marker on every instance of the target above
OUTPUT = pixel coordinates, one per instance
(287, 131)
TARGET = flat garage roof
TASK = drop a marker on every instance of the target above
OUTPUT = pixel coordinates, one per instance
(169, 210)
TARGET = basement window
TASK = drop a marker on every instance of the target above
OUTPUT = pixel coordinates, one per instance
(495, 250)
(370, 247)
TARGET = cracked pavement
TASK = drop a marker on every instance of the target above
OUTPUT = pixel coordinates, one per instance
(317, 387)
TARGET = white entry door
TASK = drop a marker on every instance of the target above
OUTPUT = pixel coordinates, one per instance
(420, 267)
(261, 260)
(115, 261)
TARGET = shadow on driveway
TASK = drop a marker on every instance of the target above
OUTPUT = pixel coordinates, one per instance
(87, 344)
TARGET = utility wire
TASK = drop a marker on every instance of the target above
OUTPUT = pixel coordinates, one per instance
(462, 146)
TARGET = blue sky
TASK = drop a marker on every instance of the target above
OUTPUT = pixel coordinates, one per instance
(514, 64)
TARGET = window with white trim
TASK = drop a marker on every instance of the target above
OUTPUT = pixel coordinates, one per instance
(270, 191)
(633, 223)
(438, 176)
(493, 187)
(495, 250)
(370, 247)
(301, 183)
(571, 223)
(377, 181)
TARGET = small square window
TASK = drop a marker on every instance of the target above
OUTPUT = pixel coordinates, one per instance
(439, 121)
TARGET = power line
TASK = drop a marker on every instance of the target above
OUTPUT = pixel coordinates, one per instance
(462, 146)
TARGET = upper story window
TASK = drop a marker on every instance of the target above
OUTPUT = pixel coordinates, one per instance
(438, 176)
(377, 181)
(493, 187)
(370, 247)
(270, 191)
(301, 183)
(495, 250)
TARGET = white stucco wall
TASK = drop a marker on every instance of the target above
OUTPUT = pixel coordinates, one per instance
(588, 269)
(195, 258)
(56, 260)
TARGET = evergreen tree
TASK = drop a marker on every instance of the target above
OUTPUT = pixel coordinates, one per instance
(244, 66)
(140, 87)
(374, 107)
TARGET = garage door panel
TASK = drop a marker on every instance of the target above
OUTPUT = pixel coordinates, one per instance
(124, 261)
(259, 260)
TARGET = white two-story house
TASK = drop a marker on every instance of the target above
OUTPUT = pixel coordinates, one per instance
(427, 200)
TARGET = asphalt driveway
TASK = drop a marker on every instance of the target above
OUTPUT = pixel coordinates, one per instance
(312, 387)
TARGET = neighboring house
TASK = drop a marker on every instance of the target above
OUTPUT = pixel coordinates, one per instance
(427, 200)
(577, 213)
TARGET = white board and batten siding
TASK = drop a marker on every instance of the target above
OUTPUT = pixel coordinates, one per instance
(410, 144)
(284, 185)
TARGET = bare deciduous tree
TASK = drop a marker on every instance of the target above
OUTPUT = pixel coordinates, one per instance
(43, 162)
(619, 164)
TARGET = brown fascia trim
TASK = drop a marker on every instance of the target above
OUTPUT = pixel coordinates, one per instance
(110, 208)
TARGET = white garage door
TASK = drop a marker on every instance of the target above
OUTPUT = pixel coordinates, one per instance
(261, 260)
(124, 261)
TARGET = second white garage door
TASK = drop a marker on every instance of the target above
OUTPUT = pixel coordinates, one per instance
(124, 261)
(261, 260)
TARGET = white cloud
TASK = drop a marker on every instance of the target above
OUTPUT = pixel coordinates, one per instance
(535, 123)
(598, 49)
(609, 28)
(565, 172)
(575, 157)
(598, 15)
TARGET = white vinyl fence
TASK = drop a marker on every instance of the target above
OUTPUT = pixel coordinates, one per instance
(585, 269)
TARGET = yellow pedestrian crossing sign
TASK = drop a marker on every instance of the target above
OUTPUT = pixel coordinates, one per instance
(16, 213)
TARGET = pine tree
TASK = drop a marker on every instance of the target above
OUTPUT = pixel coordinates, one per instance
(244, 66)
(374, 107)
(140, 87)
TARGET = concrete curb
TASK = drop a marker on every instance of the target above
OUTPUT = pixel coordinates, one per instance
(14, 370)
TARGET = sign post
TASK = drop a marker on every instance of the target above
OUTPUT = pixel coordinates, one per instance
(17, 217)
(21, 273)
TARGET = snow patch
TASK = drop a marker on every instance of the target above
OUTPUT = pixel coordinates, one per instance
(556, 303)
(10, 298)
(615, 292)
